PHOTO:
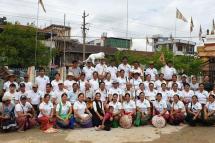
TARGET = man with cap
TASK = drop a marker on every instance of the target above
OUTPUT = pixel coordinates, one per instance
(58, 93)
(115, 89)
(7, 118)
(24, 113)
(56, 81)
(11, 93)
(28, 84)
(22, 91)
(10, 79)
(69, 81)
(75, 70)
(152, 71)
(35, 97)
(42, 80)
(88, 70)
(101, 68)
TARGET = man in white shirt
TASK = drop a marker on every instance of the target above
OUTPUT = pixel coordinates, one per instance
(69, 81)
(56, 81)
(88, 70)
(35, 97)
(75, 70)
(152, 71)
(112, 69)
(58, 93)
(168, 70)
(11, 79)
(174, 80)
(151, 93)
(148, 80)
(94, 82)
(42, 80)
(11, 93)
(28, 84)
(159, 81)
(82, 82)
(136, 69)
(73, 94)
(115, 89)
(101, 68)
(125, 66)
(21, 92)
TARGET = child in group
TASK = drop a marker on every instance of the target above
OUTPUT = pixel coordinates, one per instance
(107, 120)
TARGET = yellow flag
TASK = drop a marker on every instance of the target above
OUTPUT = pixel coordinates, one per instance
(179, 15)
(42, 5)
(162, 58)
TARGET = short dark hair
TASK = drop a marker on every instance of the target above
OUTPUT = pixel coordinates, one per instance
(49, 84)
(12, 85)
(64, 94)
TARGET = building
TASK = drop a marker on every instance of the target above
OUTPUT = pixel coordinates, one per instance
(206, 52)
(177, 46)
(119, 43)
(60, 30)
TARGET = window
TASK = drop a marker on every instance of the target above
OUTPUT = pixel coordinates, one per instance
(180, 48)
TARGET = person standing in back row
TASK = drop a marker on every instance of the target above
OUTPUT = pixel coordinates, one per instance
(168, 70)
(125, 66)
(42, 80)
(152, 71)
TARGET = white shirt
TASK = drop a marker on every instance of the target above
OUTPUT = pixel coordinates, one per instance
(115, 90)
(88, 72)
(68, 84)
(195, 107)
(100, 105)
(28, 85)
(126, 68)
(73, 96)
(135, 83)
(171, 82)
(22, 108)
(6, 85)
(51, 94)
(75, 71)
(82, 84)
(94, 84)
(122, 82)
(41, 82)
(80, 107)
(210, 106)
(47, 109)
(178, 105)
(165, 94)
(146, 84)
(138, 70)
(112, 71)
(143, 106)
(128, 106)
(108, 84)
(58, 93)
(34, 96)
(12, 95)
(19, 94)
(117, 106)
(55, 84)
(151, 94)
(153, 72)
(65, 108)
(172, 93)
(103, 94)
(101, 68)
(139, 91)
(202, 96)
(194, 87)
(212, 92)
(160, 106)
(187, 95)
(158, 84)
(131, 92)
(168, 72)
(89, 93)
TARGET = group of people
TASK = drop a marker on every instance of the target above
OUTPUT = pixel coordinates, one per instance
(101, 96)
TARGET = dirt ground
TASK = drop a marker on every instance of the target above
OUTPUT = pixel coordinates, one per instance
(169, 134)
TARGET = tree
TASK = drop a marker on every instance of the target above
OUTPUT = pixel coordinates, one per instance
(17, 47)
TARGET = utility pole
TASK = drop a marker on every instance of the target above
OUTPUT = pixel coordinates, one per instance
(84, 29)
(64, 41)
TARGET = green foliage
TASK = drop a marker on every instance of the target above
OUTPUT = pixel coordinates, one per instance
(17, 46)
(189, 65)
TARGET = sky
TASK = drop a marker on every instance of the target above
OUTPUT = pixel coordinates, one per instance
(145, 17)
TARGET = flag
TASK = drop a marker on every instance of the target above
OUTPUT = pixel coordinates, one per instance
(147, 40)
(213, 28)
(171, 38)
(200, 33)
(191, 25)
(162, 58)
(42, 5)
(179, 15)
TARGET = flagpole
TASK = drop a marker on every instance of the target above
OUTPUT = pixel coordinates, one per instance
(36, 37)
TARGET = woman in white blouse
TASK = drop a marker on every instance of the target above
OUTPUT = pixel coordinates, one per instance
(194, 111)
(81, 112)
(209, 111)
(187, 94)
(98, 110)
(129, 106)
(160, 107)
(143, 111)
